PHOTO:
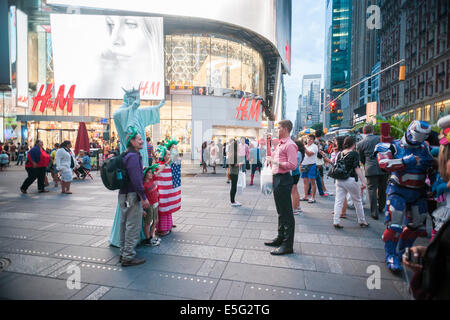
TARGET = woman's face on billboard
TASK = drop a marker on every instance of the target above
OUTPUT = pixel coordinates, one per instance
(127, 39)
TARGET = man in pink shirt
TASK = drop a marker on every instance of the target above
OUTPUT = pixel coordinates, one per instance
(283, 160)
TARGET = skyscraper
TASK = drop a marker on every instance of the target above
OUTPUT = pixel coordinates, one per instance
(310, 108)
(365, 56)
(419, 32)
(338, 36)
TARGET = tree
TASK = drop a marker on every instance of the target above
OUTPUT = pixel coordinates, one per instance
(317, 126)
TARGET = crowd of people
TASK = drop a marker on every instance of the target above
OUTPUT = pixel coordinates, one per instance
(10, 152)
(60, 162)
(405, 180)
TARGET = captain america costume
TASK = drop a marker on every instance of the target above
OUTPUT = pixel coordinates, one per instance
(408, 160)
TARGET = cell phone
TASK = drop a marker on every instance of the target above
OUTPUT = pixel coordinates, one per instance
(410, 257)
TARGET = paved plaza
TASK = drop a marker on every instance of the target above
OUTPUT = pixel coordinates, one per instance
(215, 252)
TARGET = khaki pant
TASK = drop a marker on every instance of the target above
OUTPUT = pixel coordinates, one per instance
(130, 224)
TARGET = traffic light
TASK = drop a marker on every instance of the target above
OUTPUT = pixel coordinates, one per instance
(333, 107)
(402, 73)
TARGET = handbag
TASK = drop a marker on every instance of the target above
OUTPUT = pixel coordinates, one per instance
(339, 169)
(241, 183)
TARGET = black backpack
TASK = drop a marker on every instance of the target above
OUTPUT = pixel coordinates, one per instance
(339, 170)
(113, 172)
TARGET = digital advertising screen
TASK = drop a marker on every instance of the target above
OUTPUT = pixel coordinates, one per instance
(102, 54)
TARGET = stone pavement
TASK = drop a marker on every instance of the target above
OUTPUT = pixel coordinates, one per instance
(215, 252)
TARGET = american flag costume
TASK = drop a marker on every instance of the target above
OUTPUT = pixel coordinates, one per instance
(169, 187)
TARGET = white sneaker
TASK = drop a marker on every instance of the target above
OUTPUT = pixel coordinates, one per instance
(236, 204)
(298, 211)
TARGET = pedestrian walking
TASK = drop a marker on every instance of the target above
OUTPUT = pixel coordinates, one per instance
(20, 156)
(296, 177)
(203, 154)
(12, 151)
(377, 179)
(283, 160)
(254, 159)
(132, 201)
(65, 164)
(350, 159)
(309, 169)
(36, 164)
(233, 165)
(213, 155)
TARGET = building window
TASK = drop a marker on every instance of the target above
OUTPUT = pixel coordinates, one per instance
(427, 113)
(411, 115)
(211, 61)
(419, 114)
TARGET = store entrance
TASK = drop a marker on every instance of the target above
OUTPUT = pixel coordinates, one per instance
(51, 136)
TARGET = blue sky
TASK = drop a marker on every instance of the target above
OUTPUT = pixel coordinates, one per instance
(308, 29)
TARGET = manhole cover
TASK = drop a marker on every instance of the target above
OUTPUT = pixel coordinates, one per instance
(4, 263)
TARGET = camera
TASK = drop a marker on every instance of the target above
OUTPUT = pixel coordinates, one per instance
(410, 257)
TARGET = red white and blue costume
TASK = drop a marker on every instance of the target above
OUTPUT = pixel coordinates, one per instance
(408, 160)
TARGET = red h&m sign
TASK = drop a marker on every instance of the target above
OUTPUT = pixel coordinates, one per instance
(245, 113)
(47, 102)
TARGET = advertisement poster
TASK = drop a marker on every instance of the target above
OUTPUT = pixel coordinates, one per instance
(22, 59)
(103, 54)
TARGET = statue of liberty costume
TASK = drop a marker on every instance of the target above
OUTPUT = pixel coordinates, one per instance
(129, 114)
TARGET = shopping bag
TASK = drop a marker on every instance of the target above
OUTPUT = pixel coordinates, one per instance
(266, 180)
(241, 183)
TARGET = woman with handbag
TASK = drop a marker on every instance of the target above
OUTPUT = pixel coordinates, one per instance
(347, 171)
(65, 163)
(233, 164)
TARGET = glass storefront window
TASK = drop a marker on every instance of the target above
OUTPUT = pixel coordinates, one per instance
(97, 109)
(209, 61)
(427, 113)
(247, 69)
(219, 76)
(182, 132)
(201, 61)
(234, 65)
(441, 109)
(166, 129)
(181, 107)
(181, 60)
(419, 114)
(165, 112)
(411, 115)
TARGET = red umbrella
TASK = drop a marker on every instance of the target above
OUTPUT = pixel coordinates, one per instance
(82, 139)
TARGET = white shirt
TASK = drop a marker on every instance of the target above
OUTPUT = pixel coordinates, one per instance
(311, 159)
(62, 158)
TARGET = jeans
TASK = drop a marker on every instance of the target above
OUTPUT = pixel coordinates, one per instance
(19, 160)
(282, 186)
(234, 179)
(130, 224)
(354, 188)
